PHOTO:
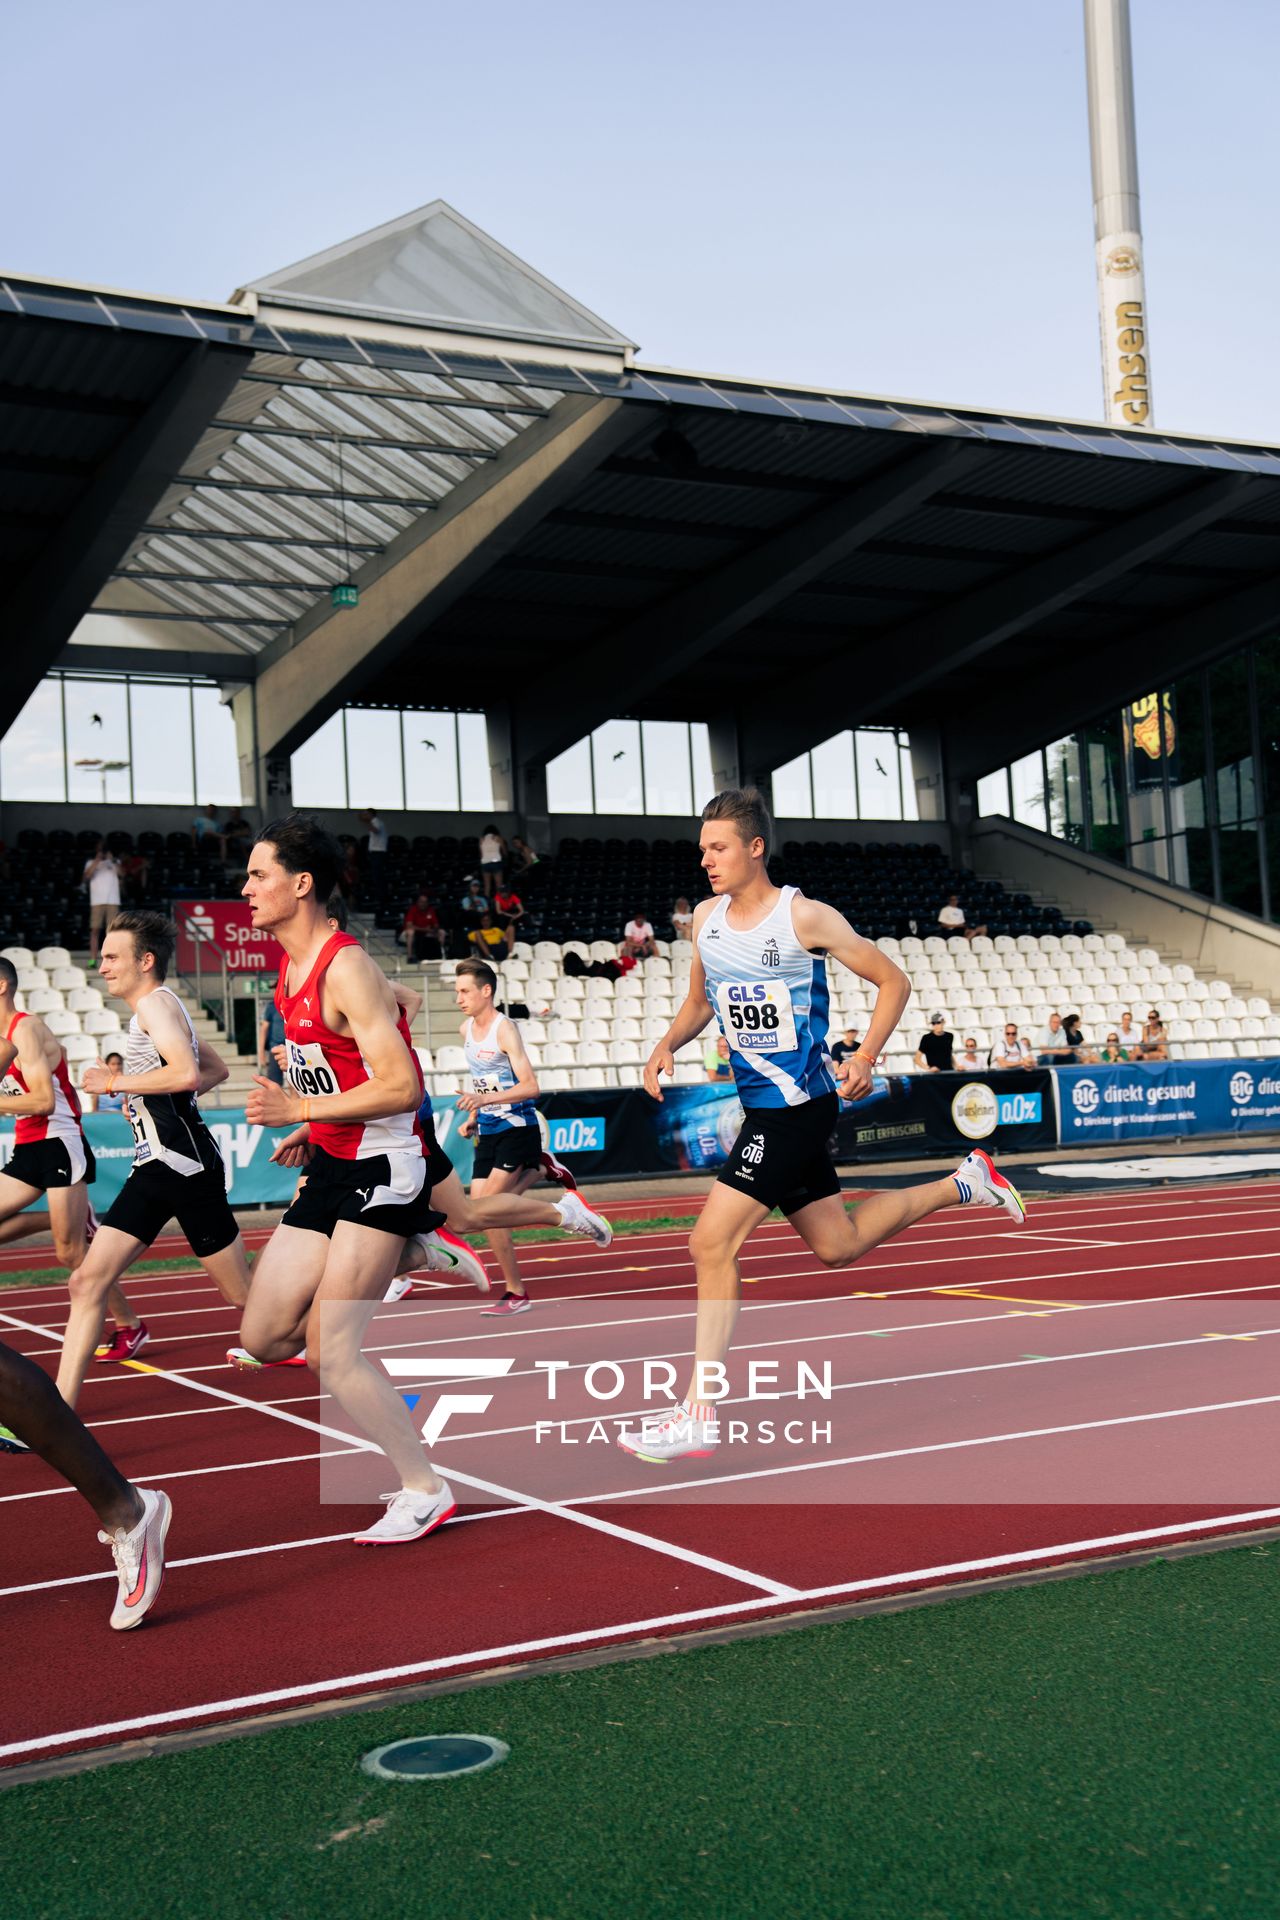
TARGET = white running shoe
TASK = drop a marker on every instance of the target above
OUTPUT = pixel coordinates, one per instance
(981, 1184)
(399, 1288)
(409, 1516)
(139, 1556)
(245, 1362)
(577, 1217)
(443, 1252)
(677, 1434)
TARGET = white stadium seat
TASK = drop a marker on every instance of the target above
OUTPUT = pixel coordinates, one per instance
(19, 957)
(105, 1021)
(559, 1054)
(80, 1046)
(51, 957)
(62, 1023)
(31, 977)
(451, 1060)
(555, 1080)
(67, 978)
(598, 1030)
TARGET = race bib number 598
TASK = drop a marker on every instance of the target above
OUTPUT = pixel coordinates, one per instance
(757, 1016)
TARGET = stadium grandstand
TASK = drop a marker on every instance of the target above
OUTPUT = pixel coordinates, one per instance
(405, 528)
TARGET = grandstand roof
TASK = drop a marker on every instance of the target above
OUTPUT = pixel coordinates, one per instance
(418, 411)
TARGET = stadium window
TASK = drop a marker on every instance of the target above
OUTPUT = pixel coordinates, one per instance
(375, 768)
(98, 742)
(160, 715)
(1230, 705)
(414, 757)
(1065, 802)
(637, 767)
(855, 775)
(1026, 776)
(993, 793)
(33, 757)
(793, 789)
(217, 760)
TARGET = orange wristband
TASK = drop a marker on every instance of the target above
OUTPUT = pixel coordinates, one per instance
(111, 1084)
(306, 1112)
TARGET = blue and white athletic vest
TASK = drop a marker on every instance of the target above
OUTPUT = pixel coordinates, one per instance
(770, 997)
(491, 1071)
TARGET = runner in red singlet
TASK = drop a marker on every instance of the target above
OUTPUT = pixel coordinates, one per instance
(50, 1153)
(354, 1082)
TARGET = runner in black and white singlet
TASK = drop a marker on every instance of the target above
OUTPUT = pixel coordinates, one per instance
(760, 965)
(500, 1110)
(177, 1172)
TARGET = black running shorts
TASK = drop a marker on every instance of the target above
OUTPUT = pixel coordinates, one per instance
(374, 1192)
(782, 1156)
(154, 1194)
(506, 1150)
(439, 1165)
(55, 1162)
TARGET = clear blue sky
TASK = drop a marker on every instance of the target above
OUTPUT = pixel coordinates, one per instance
(888, 198)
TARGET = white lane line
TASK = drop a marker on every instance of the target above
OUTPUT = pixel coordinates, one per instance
(193, 1473)
(278, 1696)
(854, 1333)
(241, 1553)
(935, 1446)
(356, 1442)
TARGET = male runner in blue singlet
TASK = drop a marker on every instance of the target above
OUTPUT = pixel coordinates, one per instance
(760, 966)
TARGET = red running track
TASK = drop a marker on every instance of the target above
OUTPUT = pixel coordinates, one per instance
(1000, 1401)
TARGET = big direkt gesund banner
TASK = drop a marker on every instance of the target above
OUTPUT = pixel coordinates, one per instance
(1166, 1100)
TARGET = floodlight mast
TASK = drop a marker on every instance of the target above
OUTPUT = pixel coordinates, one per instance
(1117, 220)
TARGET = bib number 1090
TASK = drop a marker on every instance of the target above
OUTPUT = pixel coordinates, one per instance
(309, 1072)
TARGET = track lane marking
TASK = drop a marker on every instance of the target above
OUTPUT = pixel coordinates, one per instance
(279, 1696)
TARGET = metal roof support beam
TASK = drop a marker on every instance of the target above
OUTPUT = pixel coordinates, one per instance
(636, 659)
(1130, 665)
(70, 570)
(180, 663)
(328, 655)
(903, 660)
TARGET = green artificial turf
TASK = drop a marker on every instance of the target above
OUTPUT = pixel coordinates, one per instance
(1102, 1746)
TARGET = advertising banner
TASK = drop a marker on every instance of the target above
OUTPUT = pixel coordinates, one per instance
(929, 1114)
(1167, 1100)
(224, 927)
(253, 1180)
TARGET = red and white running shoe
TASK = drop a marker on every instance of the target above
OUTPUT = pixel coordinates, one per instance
(246, 1362)
(557, 1173)
(139, 1556)
(981, 1184)
(126, 1343)
(509, 1303)
(409, 1516)
(577, 1217)
(683, 1433)
(441, 1252)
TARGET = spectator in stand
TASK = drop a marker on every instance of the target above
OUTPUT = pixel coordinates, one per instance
(135, 870)
(238, 835)
(349, 878)
(1053, 1048)
(205, 829)
(1113, 1053)
(638, 941)
(968, 1060)
(421, 933)
(106, 1102)
(934, 1054)
(715, 1058)
(1086, 1056)
(1128, 1035)
(846, 1046)
(1011, 1051)
(271, 1042)
(682, 920)
(508, 909)
(102, 877)
(376, 858)
(1154, 1044)
(493, 853)
(521, 855)
(953, 923)
(489, 943)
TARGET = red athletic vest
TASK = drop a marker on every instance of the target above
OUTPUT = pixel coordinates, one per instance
(321, 1061)
(64, 1122)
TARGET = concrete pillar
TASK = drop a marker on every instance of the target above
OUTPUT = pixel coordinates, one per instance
(928, 772)
(497, 721)
(265, 779)
(726, 757)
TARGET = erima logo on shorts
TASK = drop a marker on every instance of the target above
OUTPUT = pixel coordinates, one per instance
(423, 1369)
